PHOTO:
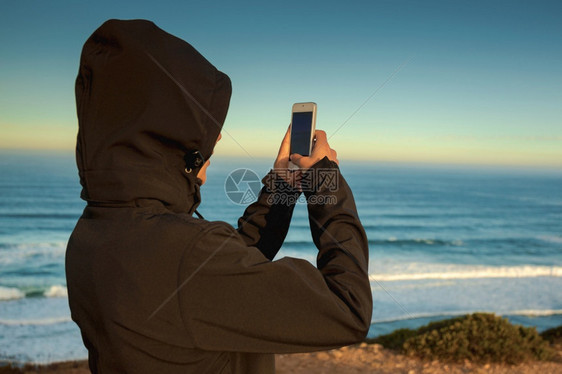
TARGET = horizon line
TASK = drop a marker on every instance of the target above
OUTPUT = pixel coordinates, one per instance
(379, 161)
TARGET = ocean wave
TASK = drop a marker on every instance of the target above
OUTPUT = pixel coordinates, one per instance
(449, 314)
(413, 215)
(473, 272)
(551, 239)
(56, 291)
(534, 313)
(391, 241)
(11, 293)
(35, 322)
(25, 246)
(416, 241)
(50, 215)
(404, 227)
(21, 253)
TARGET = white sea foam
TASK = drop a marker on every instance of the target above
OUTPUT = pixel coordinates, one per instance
(9, 293)
(35, 246)
(551, 238)
(447, 314)
(18, 253)
(534, 313)
(56, 291)
(35, 322)
(12, 293)
(473, 272)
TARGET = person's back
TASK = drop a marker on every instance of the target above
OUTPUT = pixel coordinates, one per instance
(155, 290)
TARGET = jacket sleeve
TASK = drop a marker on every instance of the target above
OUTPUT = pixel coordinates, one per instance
(232, 298)
(265, 223)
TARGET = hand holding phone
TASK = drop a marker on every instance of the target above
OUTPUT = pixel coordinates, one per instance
(320, 150)
(303, 125)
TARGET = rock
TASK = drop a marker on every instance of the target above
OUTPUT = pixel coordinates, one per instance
(337, 354)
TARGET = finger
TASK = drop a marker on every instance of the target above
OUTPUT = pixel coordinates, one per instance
(334, 156)
(321, 137)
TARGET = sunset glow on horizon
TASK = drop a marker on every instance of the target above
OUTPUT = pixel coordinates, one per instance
(438, 81)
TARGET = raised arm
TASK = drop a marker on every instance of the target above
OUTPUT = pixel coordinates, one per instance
(265, 223)
(236, 299)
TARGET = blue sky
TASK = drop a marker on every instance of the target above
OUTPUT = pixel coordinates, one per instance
(454, 81)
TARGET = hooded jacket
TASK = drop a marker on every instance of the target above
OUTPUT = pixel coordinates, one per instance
(155, 290)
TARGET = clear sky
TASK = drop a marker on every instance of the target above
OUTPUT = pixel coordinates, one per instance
(472, 82)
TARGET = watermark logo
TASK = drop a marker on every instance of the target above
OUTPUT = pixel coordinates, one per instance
(311, 181)
(288, 199)
(242, 186)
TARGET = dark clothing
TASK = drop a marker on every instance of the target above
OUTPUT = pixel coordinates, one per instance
(155, 290)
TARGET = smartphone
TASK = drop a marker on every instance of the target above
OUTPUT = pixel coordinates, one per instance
(303, 124)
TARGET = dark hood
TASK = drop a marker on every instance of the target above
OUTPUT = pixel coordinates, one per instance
(145, 98)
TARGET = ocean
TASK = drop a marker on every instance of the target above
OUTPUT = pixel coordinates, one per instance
(444, 241)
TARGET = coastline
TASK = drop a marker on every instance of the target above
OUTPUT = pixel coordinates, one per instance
(358, 359)
(462, 255)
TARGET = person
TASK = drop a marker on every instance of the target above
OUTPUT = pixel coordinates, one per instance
(155, 289)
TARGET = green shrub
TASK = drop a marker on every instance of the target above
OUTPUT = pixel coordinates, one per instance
(553, 335)
(478, 337)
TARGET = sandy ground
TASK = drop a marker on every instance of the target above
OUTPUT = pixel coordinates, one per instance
(364, 358)
(374, 358)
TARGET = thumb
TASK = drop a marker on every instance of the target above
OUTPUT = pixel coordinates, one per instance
(296, 159)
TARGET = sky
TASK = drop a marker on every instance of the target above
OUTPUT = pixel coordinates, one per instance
(461, 82)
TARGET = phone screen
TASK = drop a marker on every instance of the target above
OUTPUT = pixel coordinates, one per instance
(300, 133)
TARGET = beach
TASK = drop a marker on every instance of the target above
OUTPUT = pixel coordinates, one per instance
(359, 359)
